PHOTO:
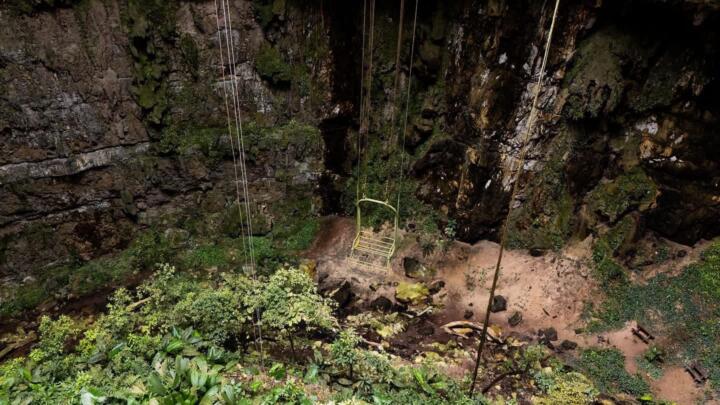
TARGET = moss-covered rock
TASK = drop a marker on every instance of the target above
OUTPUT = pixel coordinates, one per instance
(595, 83)
(150, 25)
(610, 246)
(546, 220)
(630, 190)
(411, 293)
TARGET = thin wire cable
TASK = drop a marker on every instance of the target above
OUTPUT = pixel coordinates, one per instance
(407, 110)
(229, 125)
(392, 139)
(523, 154)
(369, 82)
(240, 141)
(257, 327)
(362, 107)
(243, 167)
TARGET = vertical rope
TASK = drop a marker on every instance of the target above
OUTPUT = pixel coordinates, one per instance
(407, 110)
(240, 140)
(523, 154)
(392, 139)
(369, 83)
(362, 107)
(229, 127)
(257, 327)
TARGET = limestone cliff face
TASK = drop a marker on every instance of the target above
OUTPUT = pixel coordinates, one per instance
(112, 119)
(628, 125)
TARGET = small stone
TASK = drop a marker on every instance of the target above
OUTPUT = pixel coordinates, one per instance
(548, 335)
(515, 319)
(468, 314)
(682, 253)
(436, 286)
(499, 304)
(382, 304)
(568, 345)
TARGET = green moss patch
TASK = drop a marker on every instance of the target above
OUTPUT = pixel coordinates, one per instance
(606, 368)
(546, 220)
(631, 190)
(270, 66)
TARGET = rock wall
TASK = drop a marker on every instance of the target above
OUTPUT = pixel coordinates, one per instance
(628, 122)
(112, 120)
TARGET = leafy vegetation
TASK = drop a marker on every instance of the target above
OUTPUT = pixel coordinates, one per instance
(271, 66)
(77, 279)
(178, 339)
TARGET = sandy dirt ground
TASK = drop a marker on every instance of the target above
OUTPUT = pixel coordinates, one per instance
(550, 291)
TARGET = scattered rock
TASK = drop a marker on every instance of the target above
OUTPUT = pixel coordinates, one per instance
(537, 252)
(382, 304)
(436, 286)
(567, 345)
(468, 314)
(341, 293)
(515, 319)
(499, 304)
(411, 293)
(548, 335)
(415, 269)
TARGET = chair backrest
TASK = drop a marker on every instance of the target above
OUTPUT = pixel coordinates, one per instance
(383, 204)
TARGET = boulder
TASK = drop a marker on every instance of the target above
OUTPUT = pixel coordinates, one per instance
(341, 292)
(414, 269)
(382, 304)
(499, 304)
(515, 319)
(567, 345)
(548, 335)
(411, 293)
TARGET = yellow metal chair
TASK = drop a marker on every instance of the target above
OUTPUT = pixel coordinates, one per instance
(371, 249)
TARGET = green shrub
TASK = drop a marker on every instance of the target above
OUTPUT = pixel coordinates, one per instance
(270, 65)
(289, 301)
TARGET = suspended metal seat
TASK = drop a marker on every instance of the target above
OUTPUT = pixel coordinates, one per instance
(369, 248)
